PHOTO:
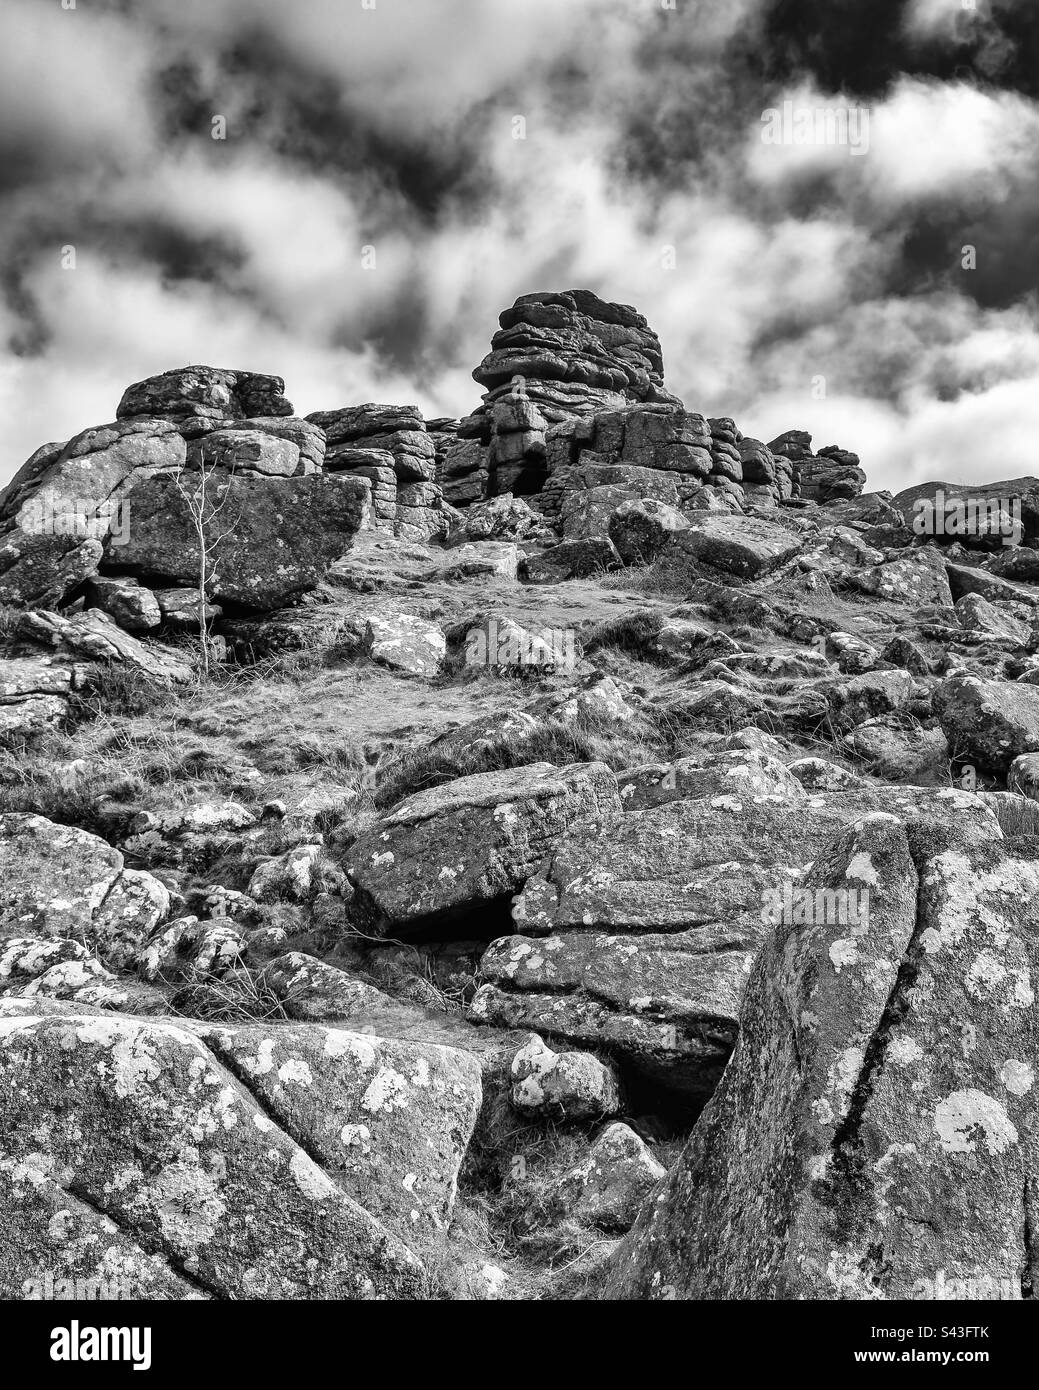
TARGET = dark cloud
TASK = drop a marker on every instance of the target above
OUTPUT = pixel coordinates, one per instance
(393, 128)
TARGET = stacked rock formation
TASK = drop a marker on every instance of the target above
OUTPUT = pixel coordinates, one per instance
(576, 353)
(112, 509)
(388, 445)
(770, 996)
(574, 381)
(831, 474)
(557, 359)
(767, 478)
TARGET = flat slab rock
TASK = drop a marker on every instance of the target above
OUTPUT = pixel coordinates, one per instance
(745, 546)
(388, 1120)
(874, 1135)
(668, 1005)
(95, 636)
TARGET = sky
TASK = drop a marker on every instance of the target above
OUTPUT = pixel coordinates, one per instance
(394, 173)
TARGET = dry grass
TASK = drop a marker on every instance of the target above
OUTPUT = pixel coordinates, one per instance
(241, 997)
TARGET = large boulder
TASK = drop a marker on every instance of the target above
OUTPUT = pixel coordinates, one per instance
(68, 501)
(127, 1146)
(978, 516)
(200, 397)
(918, 578)
(988, 723)
(874, 1135)
(61, 882)
(649, 925)
(275, 536)
(636, 483)
(641, 530)
(463, 845)
(667, 1005)
(747, 547)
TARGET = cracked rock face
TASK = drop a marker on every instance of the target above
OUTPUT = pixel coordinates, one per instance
(129, 1147)
(874, 1133)
(651, 923)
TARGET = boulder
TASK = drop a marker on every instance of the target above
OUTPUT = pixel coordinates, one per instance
(409, 645)
(460, 846)
(277, 536)
(917, 579)
(68, 502)
(988, 722)
(493, 559)
(562, 1085)
(62, 882)
(641, 530)
(607, 1189)
(977, 614)
(314, 991)
(497, 643)
(873, 1137)
(34, 695)
(747, 547)
(297, 876)
(125, 600)
(503, 518)
(665, 1005)
(647, 925)
(577, 559)
(389, 1121)
(128, 1146)
(205, 395)
(900, 751)
(180, 609)
(245, 451)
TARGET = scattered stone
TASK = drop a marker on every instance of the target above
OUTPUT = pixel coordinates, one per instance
(406, 644)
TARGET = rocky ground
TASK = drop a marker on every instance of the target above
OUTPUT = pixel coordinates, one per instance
(583, 852)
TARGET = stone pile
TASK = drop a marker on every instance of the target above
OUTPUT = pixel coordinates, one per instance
(576, 353)
(389, 446)
(832, 474)
(574, 380)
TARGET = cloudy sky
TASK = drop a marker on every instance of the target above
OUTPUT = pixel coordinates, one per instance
(793, 285)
